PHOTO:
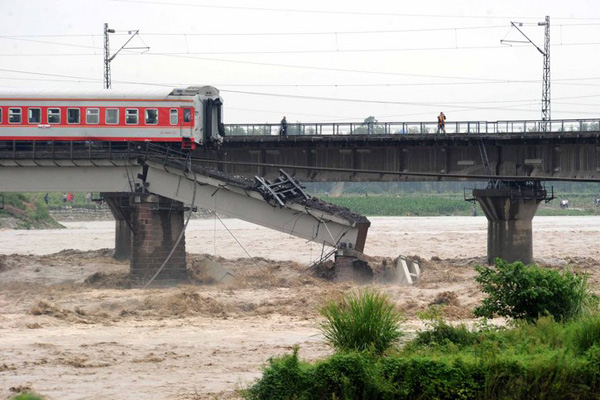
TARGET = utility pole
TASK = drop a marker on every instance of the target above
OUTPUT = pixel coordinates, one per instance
(108, 58)
(546, 84)
(546, 117)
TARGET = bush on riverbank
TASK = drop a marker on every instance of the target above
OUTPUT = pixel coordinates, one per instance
(534, 359)
(531, 361)
(520, 291)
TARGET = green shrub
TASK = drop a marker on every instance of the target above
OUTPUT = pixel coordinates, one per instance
(586, 334)
(527, 292)
(443, 333)
(527, 361)
(284, 378)
(440, 333)
(427, 378)
(349, 375)
(366, 320)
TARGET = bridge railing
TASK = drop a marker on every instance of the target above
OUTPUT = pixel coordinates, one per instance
(417, 128)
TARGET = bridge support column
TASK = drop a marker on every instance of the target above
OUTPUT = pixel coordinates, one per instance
(120, 209)
(510, 207)
(157, 222)
(122, 240)
(350, 267)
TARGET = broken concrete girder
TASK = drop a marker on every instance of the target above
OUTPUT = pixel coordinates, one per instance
(407, 271)
(236, 197)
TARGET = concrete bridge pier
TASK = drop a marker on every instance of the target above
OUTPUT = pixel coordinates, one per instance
(157, 222)
(146, 229)
(510, 207)
(121, 211)
(122, 239)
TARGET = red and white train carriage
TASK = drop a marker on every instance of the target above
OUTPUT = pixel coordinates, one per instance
(189, 116)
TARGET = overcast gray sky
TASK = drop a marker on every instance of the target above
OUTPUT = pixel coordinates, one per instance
(318, 61)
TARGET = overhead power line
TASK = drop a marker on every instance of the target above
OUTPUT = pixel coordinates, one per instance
(457, 107)
(335, 12)
(369, 101)
(308, 33)
(48, 42)
(276, 52)
(326, 33)
(162, 84)
(329, 69)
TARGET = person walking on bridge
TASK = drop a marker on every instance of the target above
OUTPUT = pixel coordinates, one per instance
(441, 123)
(283, 127)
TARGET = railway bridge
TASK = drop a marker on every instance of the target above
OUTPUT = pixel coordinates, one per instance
(516, 158)
(148, 189)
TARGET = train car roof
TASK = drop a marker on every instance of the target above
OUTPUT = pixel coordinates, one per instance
(160, 93)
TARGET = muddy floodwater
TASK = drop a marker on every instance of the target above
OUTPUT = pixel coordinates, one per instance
(71, 327)
(444, 237)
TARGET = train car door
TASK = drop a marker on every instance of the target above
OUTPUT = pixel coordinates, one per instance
(213, 123)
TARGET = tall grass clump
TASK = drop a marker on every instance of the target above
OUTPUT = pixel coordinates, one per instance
(586, 334)
(528, 292)
(363, 320)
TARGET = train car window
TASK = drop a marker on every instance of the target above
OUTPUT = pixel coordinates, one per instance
(14, 115)
(112, 116)
(34, 115)
(187, 115)
(73, 115)
(54, 115)
(92, 116)
(0, 115)
(131, 116)
(151, 116)
(174, 116)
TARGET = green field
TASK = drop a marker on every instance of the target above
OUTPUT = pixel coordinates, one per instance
(449, 204)
(409, 204)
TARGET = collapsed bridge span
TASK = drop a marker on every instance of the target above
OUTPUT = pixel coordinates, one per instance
(148, 188)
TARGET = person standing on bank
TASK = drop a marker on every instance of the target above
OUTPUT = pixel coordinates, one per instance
(283, 127)
(441, 123)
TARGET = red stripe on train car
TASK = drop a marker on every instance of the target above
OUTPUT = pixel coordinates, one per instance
(90, 99)
(89, 138)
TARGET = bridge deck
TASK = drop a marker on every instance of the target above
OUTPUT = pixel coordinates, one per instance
(455, 128)
(568, 150)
